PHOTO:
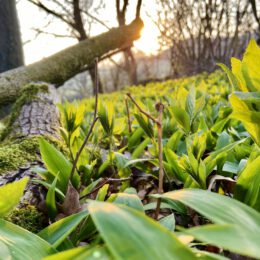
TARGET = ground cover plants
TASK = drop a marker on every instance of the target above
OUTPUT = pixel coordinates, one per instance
(164, 171)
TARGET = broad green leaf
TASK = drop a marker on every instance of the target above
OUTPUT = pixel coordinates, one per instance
(236, 65)
(182, 118)
(172, 158)
(140, 148)
(10, 195)
(56, 163)
(82, 253)
(191, 102)
(137, 234)
(135, 138)
(168, 222)
(130, 200)
(251, 66)
(233, 80)
(223, 210)
(106, 117)
(247, 189)
(23, 244)
(50, 199)
(229, 237)
(214, 207)
(102, 193)
(145, 124)
(211, 160)
(57, 232)
(175, 205)
(135, 161)
(5, 252)
(249, 118)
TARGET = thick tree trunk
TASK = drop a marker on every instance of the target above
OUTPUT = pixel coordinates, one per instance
(34, 115)
(11, 53)
(65, 64)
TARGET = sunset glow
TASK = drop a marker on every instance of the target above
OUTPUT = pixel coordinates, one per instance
(148, 43)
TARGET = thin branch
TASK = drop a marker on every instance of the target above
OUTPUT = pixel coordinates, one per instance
(95, 118)
(50, 11)
(105, 182)
(138, 9)
(160, 108)
(128, 116)
(95, 19)
(144, 112)
(39, 31)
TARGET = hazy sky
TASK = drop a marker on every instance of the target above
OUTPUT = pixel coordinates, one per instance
(45, 45)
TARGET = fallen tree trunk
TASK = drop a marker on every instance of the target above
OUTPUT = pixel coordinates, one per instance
(63, 65)
(34, 115)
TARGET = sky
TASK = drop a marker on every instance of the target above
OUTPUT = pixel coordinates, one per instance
(36, 48)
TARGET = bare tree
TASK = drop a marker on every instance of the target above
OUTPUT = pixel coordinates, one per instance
(256, 13)
(11, 52)
(130, 62)
(203, 32)
(77, 16)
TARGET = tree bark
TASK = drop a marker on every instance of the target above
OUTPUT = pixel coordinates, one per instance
(11, 52)
(65, 64)
(32, 116)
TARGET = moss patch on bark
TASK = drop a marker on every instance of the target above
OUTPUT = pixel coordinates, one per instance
(28, 94)
(16, 154)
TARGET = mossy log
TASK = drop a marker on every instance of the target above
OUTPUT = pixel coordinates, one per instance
(34, 115)
(65, 64)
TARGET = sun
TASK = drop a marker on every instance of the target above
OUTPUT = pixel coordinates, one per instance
(148, 42)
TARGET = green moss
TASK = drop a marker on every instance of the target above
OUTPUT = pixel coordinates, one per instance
(28, 217)
(14, 155)
(28, 94)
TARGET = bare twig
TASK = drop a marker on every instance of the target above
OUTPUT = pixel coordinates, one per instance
(95, 118)
(128, 116)
(160, 108)
(142, 111)
(105, 182)
(158, 121)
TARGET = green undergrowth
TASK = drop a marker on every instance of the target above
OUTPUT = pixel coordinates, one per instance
(16, 154)
(29, 218)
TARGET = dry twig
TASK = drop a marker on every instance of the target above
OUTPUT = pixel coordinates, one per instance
(95, 118)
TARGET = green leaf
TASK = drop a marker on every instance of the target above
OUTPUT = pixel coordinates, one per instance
(168, 222)
(82, 253)
(140, 148)
(233, 80)
(251, 66)
(102, 193)
(211, 160)
(10, 195)
(137, 234)
(57, 232)
(130, 200)
(172, 159)
(247, 189)
(135, 161)
(249, 118)
(182, 118)
(135, 138)
(145, 124)
(223, 210)
(23, 244)
(191, 102)
(56, 163)
(50, 199)
(106, 117)
(229, 237)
